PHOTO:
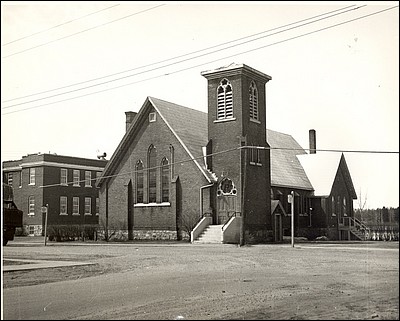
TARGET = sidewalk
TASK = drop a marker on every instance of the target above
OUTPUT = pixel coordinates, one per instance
(37, 264)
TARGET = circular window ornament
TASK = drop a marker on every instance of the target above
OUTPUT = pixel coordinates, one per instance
(226, 187)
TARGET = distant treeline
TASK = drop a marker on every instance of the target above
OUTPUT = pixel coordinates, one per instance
(385, 216)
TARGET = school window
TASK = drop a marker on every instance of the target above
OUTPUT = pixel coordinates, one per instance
(31, 229)
(75, 205)
(139, 182)
(31, 176)
(76, 177)
(152, 177)
(63, 205)
(88, 205)
(165, 174)
(253, 100)
(97, 206)
(333, 205)
(98, 174)
(63, 178)
(31, 205)
(20, 178)
(10, 179)
(88, 178)
(344, 207)
(224, 100)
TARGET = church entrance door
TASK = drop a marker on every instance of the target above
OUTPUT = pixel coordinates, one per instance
(226, 208)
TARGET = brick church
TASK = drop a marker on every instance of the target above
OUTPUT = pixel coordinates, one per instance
(178, 172)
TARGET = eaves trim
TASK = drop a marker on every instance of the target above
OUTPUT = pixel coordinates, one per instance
(61, 165)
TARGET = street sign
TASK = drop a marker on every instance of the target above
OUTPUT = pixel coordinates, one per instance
(44, 209)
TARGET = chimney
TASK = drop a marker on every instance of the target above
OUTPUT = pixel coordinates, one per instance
(130, 115)
(313, 142)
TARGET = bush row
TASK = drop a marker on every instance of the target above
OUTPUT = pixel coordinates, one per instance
(61, 233)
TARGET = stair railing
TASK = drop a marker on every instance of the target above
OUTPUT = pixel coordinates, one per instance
(229, 218)
(360, 226)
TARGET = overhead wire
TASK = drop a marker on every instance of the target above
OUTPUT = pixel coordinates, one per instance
(191, 67)
(184, 55)
(82, 31)
(59, 25)
(171, 64)
(227, 151)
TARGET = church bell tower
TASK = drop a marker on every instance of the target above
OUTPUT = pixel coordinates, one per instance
(237, 141)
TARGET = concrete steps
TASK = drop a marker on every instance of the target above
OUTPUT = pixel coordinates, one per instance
(212, 234)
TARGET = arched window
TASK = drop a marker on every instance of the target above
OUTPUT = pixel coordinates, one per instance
(338, 206)
(344, 207)
(253, 97)
(152, 177)
(139, 181)
(165, 174)
(172, 158)
(224, 100)
(333, 206)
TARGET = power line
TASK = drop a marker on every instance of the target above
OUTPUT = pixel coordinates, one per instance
(46, 43)
(59, 25)
(167, 65)
(188, 68)
(227, 151)
(190, 53)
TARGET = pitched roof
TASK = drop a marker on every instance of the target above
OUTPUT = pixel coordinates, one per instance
(322, 167)
(286, 170)
(188, 125)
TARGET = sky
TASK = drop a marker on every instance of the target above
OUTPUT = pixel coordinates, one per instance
(70, 71)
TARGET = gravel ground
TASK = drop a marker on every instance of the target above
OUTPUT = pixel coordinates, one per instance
(334, 281)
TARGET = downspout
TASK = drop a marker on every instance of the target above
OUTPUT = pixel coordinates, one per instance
(106, 231)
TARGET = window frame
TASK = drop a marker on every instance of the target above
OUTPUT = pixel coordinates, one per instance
(10, 177)
(139, 196)
(63, 198)
(152, 175)
(97, 206)
(76, 178)
(165, 180)
(75, 205)
(88, 207)
(32, 176)
(253, 102)
(225, 100)
(64, 170)
(31, 205)
(88, 178)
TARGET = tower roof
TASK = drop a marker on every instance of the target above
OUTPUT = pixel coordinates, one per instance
(232, 69)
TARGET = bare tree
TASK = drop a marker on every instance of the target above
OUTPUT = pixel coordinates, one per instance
(361, 204)
(189, 221)
(114, 229)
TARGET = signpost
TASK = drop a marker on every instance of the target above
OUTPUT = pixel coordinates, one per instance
(45, 211)
(291, 201)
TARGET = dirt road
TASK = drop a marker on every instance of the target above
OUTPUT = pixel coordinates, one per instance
(182, 281)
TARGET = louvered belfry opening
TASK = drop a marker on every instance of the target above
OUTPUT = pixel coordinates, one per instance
(225, 100)
(253, 98)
